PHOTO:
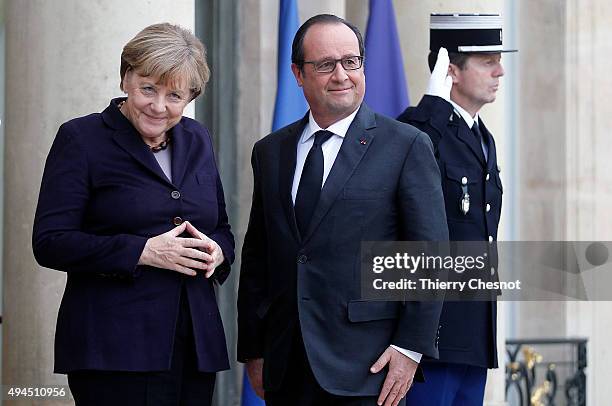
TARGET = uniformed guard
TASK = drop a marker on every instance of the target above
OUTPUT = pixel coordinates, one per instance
(465, 59)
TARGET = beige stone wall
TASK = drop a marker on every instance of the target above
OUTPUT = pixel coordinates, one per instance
(562, 167)
(542, 149)
(565, 169)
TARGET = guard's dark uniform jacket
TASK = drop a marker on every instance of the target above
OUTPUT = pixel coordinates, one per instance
(467, 328)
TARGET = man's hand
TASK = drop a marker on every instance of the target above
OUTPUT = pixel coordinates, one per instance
(254, 368)
(440, 82)
(399, 378)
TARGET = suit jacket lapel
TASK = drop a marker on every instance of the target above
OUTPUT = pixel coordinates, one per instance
(465, 134)
(490, 144)
(181, 145)
(287, 157)
(356, 142)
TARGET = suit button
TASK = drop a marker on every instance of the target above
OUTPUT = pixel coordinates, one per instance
(464, 180)
(177, 221)
(488, 177)
(175, 194)
(302, 259)
(492, 270)
(488, 208)
(490, 238)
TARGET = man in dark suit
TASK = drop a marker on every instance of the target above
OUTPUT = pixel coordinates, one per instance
(339, 176)
(466, 155)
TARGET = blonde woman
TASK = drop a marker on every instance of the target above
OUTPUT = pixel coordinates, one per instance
(131, 207)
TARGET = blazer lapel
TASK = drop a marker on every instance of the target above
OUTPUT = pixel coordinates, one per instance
(133, 145)
(181, 145)
(128, 139)
(287, 157)
(356, 142)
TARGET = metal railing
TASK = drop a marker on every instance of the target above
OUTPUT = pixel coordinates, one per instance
(557, 378)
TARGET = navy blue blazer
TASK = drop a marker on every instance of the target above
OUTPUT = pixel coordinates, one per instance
(468, 332)
(384, 186)
(103, 194)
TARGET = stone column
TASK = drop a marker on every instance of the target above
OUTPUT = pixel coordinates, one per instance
(62, 62)
(566, 179)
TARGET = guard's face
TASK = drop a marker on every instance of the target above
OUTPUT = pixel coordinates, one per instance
(477, 83)
(335, 95)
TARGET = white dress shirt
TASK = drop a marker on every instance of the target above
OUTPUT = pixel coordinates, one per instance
(330, 151)
(330, 148)
(469, 120)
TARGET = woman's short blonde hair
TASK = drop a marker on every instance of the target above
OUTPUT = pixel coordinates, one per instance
(169, 52)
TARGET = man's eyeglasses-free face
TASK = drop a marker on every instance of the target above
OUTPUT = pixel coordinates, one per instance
(329, 65)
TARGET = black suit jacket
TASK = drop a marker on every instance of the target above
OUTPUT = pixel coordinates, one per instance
(467, 329)
(384, 185)
(102, 196)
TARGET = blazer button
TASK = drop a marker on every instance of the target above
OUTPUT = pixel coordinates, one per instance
(488, 208)
(177, 221)
(488, 177)
(302, 259)
(175, 194)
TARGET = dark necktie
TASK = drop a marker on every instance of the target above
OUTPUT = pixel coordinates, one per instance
(481, 140)
(311, 182)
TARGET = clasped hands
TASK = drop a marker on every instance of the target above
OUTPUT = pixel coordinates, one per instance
(180, 254)
(397, 382)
